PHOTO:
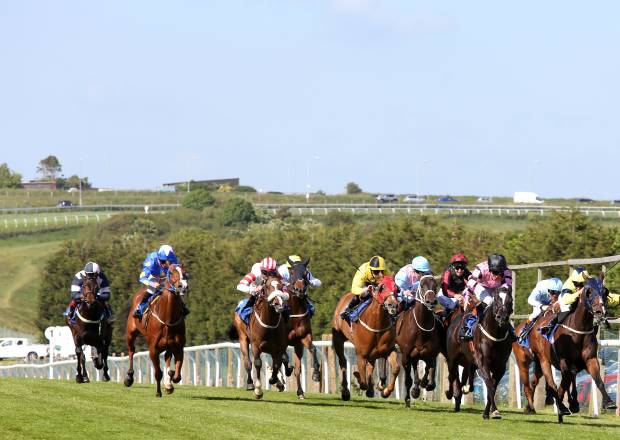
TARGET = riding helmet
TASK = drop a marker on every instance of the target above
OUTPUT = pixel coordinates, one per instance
(497, 263)
(377, 263)
(91, 268)
(165, 253)
(420, 264)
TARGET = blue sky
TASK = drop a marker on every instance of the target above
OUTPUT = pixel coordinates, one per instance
(441, 97)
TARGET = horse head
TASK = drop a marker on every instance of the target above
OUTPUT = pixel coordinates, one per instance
(298, 277)
(176, 279)
(502, 306)
(427, 291)
(273, 294)
(592, 296)
(385, 295)
(89, 291)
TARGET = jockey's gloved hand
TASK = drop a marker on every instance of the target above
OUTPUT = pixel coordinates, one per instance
(183, 284)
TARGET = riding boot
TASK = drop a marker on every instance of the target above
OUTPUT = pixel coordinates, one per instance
(250, 303)
(525, 331)
(286, 312)
(556, 320)
(70, 312)
(185, 309)
(346, 313)
(142, 305)
(467, 329)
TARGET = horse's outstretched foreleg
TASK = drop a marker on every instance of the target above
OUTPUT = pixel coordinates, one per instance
(546, 369)
(360, 374)
(131, 349)
(316, 366)
(393, 360)
(154, 355)
(496, 376)
(178, 364)
(490, 385)
(428, 381)
(406, 361)
(381, 366)
(288, 370)
(370, 369)
(299, 351)
(244, 346)
(338, 344)
(277, 366)
(454, 390)
(168, 373)
(104, 356)
(258, 364)
(594, 369)
(523, 363)
(415, 391)
(79, 378)
(573, 403)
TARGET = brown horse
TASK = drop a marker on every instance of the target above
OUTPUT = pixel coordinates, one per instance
(163, 326)
(299, 325)
(420, 336)
(90, 328)
(574, 348)
(488, 351)
(373, 336)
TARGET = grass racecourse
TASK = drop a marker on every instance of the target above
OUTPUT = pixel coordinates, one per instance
(42, 409)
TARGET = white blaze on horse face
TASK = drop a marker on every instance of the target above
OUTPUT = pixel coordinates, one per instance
(503, 295)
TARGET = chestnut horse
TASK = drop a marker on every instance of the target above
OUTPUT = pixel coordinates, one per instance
(574, 348)
(420, 336)
(91, 328)
(299, 326)
(373, 336)
(163, 326)
(488, 351)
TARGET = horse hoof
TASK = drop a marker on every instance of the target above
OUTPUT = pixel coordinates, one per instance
(431, 386)
(273, 380)
(177, 379)
(128, 381)
(423, 383)
(496, 415)
(529, 410)
(249, 387)
(385, 394)
(280, 386)
(457, 409)
(106, 377)
(86, 380)
(485, 416)
(288, 371)
(574, 407)
(370, 392)
(465, 389)
(407, 403)
(158, 394)
(316, 376)
(346, 395)
(79, 379)
(381, 385)
(301, 396)
(415, 392)
(169, 390)
(258, 394)
(564, 411)
(549, 400)
(606, 405)
(449, 394)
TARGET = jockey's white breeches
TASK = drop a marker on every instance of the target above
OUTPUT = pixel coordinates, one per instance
(446, 301)
(483, 294)
(536, 311)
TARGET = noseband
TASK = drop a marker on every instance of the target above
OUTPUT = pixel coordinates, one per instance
(421, 297)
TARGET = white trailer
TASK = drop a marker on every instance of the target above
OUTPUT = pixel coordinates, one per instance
(527, 197)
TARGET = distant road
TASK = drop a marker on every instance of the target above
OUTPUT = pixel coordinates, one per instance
(73, 209)
(452, 209)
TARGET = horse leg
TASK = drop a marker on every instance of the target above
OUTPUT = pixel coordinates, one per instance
(594, 369)
(169, 373)
(528, 388)
(360, 374)
(157, 369)
(258, 364)
(382, 373)
(565, 383)
(370, 369)
(393, 360)
(573, 403)
(78, 370)
(104, 354)
(490, 384)
(546, 369)
(131, 349)
(276, 362)
(415, 392)
(299, 352)
(178, 364)
(496, 377)
(431, 366)
(455, 390)
(286, 361)
(406, 361)
(244, 346)
(338, 344)
(316, 366)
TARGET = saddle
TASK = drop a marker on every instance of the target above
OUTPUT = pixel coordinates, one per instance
(358, 310)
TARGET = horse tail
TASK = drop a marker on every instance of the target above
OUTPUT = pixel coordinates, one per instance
(232, 332)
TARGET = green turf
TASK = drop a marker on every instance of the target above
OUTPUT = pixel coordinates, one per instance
(23, 258)
(65, 410)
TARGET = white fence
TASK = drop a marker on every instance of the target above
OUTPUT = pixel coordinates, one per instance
(221, 365)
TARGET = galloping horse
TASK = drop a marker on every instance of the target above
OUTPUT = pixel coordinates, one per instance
(90, 328)
(163, 326)
(488, 351)
(420, 337)
(299, 325)
(373, 336)
(574, 348)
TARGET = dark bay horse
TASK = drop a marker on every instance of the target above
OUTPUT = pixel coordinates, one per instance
(163, 326)
(373, 335)
(91, 328)
(420, 336)
(574, 348)
(488, 351)
(299, 324)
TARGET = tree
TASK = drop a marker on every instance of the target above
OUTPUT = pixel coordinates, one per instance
(72, 182)
(198, 199)
(353, 188)
(237, 211)
(9, 178)
(49, 167)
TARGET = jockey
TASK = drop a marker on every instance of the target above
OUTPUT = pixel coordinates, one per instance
(453, 282)
(487, 276)
(570, 293)
(408, 280)
(154, 267)
(283, 271)
(542, 297)
(253, 281)
(368, 274)
(91, 271)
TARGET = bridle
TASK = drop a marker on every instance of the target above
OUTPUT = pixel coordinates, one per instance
(91, 291)
(422, 297)
(176, 291)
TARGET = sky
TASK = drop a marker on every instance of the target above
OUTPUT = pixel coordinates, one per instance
(402, 96)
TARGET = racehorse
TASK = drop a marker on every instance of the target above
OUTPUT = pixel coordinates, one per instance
(299, 325)
(420, 336)
(163, 326)
(488, 351)
(574, 348)
(90, 328)
(373, 336)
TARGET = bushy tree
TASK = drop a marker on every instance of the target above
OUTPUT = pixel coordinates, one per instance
(9, 178)
(244, 189)
(353, 188)
(237, 211)
(198, 199)
(49, 167)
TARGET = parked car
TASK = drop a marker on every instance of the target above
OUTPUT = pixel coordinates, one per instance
(65, 204)
(584, 200)
(584, 383)
(484, 199)
(11, 348)
(386, 198)
(447, 199)
(412, 198)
